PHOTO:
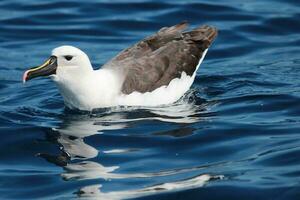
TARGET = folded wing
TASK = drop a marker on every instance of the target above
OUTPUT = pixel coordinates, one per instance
(159, 58)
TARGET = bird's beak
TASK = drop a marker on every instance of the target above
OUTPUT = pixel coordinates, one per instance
(46, 69)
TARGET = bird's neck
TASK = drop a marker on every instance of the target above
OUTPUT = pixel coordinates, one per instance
(96, 89)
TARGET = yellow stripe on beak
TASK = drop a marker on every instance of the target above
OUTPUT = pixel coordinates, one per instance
(47, 68)
(40, 67)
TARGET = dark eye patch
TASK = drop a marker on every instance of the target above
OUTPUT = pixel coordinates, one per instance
(68, 58)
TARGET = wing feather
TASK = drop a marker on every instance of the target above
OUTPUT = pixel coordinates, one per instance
(159, 58)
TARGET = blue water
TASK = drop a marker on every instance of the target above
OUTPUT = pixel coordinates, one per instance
(234, 135)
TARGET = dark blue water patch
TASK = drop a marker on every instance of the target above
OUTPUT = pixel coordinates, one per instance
(130, 6)
(285, 156)
(284, 24)
(206, 7)
(237, 192)
(240, 120)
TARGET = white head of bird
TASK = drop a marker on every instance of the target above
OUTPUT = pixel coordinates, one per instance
(71, 69)
(71, 63)
(65, 61)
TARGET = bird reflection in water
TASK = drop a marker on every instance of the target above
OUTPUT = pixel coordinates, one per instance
(76, 156)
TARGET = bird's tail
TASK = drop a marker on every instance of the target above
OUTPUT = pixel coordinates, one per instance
(203, 35)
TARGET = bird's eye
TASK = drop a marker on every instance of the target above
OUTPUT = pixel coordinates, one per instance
(68, 58)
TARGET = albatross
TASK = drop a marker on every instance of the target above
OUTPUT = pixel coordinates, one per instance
(155, 71)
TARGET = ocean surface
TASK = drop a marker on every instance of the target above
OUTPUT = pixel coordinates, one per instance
(234, 135)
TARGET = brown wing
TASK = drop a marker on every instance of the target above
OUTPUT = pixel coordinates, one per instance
(156, 60)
